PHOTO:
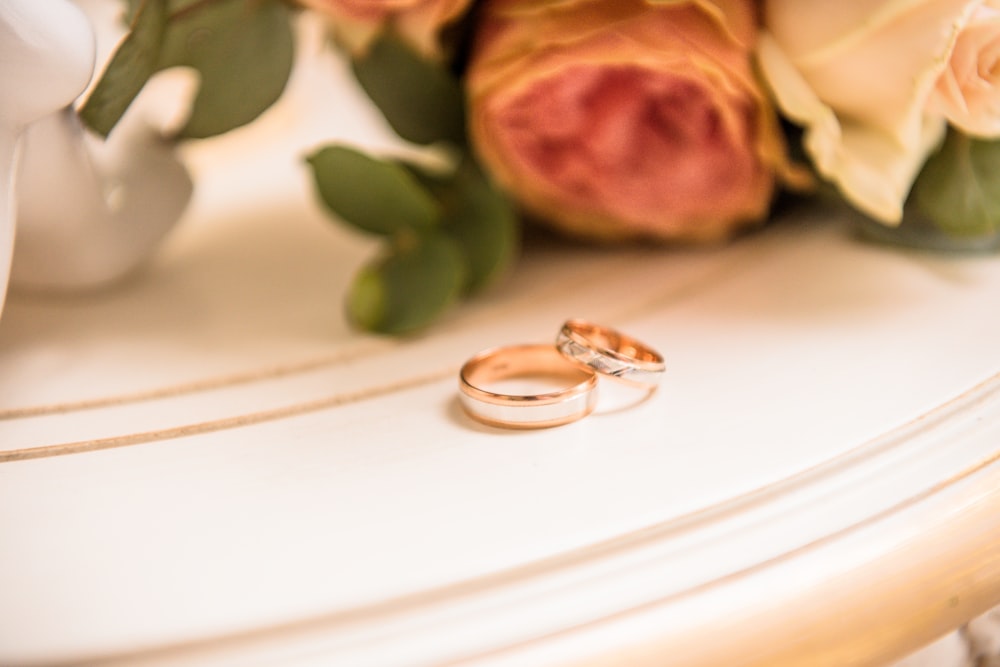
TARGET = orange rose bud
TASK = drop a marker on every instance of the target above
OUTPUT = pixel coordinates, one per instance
(626, 119)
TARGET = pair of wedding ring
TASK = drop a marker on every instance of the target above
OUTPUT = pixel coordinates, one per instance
(582, 352)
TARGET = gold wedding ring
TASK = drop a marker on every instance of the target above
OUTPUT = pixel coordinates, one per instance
(611, 353)
(573, 397)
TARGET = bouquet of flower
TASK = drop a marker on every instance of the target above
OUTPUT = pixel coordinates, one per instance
(609, 120)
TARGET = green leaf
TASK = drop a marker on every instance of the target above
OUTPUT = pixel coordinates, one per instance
(131, 66)
(484, 223)
(959, 187)
(409, 287)
(243, 51)
(420, 99)
(376, 196)
(479, 217)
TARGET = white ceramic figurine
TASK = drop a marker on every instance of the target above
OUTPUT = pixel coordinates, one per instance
(87, 210)
(46, 60)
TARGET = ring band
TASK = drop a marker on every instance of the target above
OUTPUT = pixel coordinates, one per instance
(550, 408)
(611, 353)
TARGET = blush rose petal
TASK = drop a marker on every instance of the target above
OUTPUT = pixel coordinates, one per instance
(968, 90)
(859, 79)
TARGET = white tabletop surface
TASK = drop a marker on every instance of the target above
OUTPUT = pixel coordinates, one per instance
(207, 466)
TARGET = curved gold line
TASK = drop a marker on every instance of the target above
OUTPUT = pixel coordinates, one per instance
(637, 539)
(662, 298)
(185, 430)
(745, 572)
(237, 421)
(206, 384)
(200, 428)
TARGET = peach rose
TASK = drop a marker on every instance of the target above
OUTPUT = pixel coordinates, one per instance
(869, 81)
(625, 119)
(358, 22)
(968, 91)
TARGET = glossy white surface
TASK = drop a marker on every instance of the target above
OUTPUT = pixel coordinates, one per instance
(209, 455)
(46, 59)
(93, 209)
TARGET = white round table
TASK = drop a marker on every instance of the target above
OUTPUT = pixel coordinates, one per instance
(206, 466)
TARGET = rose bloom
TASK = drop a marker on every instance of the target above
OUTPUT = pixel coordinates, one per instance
(358, 22)
(874, 82)
(625, 119)
(968, 91)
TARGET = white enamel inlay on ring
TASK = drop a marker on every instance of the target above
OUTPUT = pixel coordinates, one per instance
(573, 398)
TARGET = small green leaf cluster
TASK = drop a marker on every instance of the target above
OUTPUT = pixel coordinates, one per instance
(242, 50)
(445, 236)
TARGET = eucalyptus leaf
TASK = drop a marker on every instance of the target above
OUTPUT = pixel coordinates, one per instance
(376, 196)
(420, 99)
(409, 287)
(477, 215)
(243, 51)
(135, 60)
(484, 223)
(959, 187)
